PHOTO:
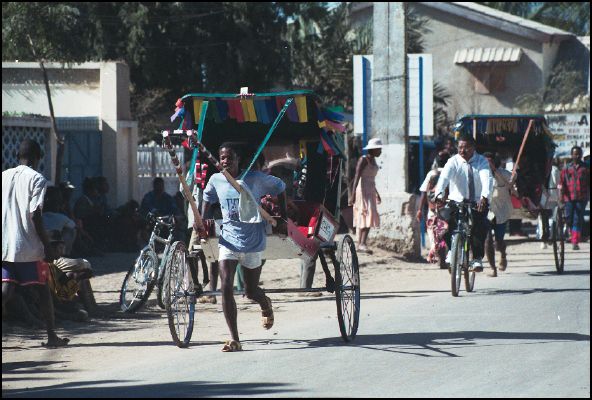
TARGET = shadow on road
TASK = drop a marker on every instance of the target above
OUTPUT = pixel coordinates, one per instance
(565, 272)
(28, 367)
(528, 291)
(429, 344)
(123, 388)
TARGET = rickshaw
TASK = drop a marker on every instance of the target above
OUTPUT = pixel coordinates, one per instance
(527, 140)
(304, 146)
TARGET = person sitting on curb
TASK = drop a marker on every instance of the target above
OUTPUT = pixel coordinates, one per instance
(69, 282)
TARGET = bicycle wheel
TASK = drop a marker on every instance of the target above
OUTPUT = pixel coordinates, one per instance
(558, 242)
(469, 275)
(138, 282)
(179, 298)
(160, 285)
(456, 260)
(347, 293)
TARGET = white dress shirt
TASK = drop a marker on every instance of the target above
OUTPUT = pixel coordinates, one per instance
(456, 174)
(501, 201)
(23, 191)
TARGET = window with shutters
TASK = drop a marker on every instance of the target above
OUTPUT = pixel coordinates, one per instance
(489, 79)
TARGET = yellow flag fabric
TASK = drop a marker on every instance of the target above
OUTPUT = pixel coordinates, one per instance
(197, 110)
(301, 107)
(251, 109)
(245, 108)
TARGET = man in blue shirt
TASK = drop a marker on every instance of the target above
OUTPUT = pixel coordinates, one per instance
(240, 241)
(158, 201)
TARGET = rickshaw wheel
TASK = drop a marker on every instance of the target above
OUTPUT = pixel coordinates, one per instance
(179, 302)
(558, 241)
(347, 293)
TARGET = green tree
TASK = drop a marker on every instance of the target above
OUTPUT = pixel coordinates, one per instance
(565, 84)
(170, 48)
(321, 52)
(570, 16)
(54, 37)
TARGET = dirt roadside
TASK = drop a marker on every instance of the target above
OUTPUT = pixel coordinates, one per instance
(105, 340)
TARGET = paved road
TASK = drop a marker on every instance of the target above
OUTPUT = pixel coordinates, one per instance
(523, 334)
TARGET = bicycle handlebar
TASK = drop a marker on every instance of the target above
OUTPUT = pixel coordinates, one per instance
(166, 220)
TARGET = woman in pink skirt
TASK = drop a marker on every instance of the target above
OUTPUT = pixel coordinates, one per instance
(365, 196)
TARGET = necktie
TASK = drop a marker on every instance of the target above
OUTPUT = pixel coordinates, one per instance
(471, 184)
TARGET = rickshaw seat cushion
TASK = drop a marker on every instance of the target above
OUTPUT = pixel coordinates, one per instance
(309, 217)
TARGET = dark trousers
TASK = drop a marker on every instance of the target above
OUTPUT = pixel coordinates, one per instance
(307, 271)
(574, 215)
(478, 231)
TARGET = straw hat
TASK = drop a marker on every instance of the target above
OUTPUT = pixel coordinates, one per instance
(374, 143)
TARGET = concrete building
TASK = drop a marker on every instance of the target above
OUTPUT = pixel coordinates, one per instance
(486, 58)
(91, 103)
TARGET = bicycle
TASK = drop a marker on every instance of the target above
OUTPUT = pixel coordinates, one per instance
(460, 245)
(181, 289)
(147, 270)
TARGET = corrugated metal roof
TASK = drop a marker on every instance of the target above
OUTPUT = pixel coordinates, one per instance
(504, 16)
(482, 55)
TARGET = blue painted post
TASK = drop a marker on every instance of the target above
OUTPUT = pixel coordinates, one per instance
(421, 171)
(364, 107)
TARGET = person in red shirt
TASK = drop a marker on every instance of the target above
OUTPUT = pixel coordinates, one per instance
(575, 192)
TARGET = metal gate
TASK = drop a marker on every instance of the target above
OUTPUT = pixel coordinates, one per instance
(83, 151)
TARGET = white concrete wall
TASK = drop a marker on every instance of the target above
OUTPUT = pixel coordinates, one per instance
(550, 51)
(120, 136)
(83, 90)
(75, 92)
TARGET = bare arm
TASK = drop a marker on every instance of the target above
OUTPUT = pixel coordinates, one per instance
(359, 168)
(206, 210)
(422, 202)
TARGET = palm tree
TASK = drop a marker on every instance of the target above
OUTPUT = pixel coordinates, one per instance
(570, 16)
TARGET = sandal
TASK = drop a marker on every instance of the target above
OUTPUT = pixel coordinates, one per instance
(54, 343)
(267, 321)
(207, 300)
(503, 264)
(231, 346)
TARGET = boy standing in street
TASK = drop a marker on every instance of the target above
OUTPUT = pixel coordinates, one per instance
(24, 241)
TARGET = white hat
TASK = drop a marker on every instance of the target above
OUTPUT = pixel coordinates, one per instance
(374, 143)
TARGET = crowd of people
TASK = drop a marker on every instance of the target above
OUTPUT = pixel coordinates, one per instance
(484, 181)
(44, 274)
(44, 239)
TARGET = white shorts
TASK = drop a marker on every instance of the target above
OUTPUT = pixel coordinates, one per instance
(247, 260)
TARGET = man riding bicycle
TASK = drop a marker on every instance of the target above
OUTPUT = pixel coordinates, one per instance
(469, 177)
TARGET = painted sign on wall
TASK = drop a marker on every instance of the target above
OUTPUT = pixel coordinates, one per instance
(569, 130)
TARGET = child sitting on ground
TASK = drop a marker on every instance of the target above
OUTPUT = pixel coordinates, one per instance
(69, 283)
